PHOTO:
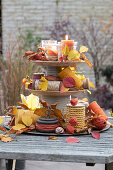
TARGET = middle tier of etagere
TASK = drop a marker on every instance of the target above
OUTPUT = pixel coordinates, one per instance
(56, 96)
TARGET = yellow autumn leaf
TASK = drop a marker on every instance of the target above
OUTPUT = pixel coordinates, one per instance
(91, 84)
(81, 77)
(1, 119)
(44, 84)
(23, 99)
(83, 49)
(18, 127)
(27, 120)
(73, 55)
(32, 102)
(66, 50)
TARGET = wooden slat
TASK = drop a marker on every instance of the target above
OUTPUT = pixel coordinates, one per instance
(34, 147)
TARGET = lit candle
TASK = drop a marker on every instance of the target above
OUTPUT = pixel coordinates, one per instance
(69, 43)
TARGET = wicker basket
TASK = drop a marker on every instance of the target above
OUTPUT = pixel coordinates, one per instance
(77, 111)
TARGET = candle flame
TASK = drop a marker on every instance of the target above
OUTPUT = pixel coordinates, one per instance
(66, 37)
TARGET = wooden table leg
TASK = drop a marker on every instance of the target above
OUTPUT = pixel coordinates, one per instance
(109, 166)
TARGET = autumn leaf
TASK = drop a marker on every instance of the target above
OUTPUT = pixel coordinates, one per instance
(44, 103)
(87, 61)
(27, 120)
(23, 105)
(85, 99)
(72, 140)
(52, 138)
(82, 77)
(31, 101)
(19, 126)
(40, 112)
(1, 119)
(6, 139)
(11, 131)
(73, 55)
(12, 110)
(1, 135)
(2, 129)
(96, 135)
(44, 84)
(53, 106)
(91, 84)
(58, 113)
(83, 49)
(63, 89)
(66, 50)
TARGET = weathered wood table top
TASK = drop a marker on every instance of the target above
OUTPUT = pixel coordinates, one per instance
(33, 147)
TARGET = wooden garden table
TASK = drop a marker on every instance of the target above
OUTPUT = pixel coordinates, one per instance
(89, 150)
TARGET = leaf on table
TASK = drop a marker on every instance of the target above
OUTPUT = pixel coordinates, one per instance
(1, 135)
(11, 131)
(27, 120)
(53, 106)
(96, 135)
(72, 140)
(1, 119)
(18, 132)
(52, 138)
(40, 112)
(2, 129)
(63, 89)
(19, 126)
(83, 49)
(6, 139)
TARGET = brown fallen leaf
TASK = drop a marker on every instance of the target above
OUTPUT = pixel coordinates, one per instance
(2, 129)
(6, 139)
(52, 138)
